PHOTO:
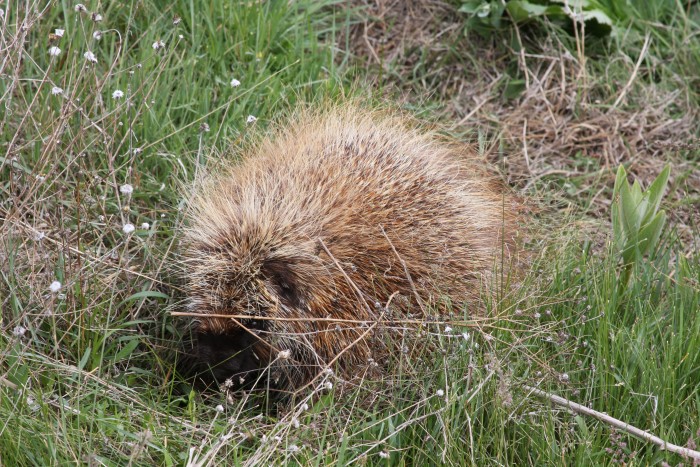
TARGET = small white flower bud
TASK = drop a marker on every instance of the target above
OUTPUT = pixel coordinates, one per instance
(90, 57)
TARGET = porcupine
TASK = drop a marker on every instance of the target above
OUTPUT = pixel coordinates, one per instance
(326, 219)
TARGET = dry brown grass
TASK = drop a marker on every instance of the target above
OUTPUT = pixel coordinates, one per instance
(575, 118)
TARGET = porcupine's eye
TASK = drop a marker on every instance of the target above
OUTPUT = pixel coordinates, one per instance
(284, 283)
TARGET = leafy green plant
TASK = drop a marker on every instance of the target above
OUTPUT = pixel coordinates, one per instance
(636, 219)
(488, 15)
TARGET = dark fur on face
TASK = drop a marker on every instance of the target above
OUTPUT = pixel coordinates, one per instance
(228, 357)
(230, 360)
(244, 353)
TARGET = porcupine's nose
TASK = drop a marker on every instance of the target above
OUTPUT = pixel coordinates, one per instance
(226, 357)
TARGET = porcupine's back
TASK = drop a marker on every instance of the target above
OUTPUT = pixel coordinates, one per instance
(337, 203)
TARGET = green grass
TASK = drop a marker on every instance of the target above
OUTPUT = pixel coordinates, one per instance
(86, 373)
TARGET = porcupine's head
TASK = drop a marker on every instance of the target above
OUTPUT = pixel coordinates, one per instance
(248, 281)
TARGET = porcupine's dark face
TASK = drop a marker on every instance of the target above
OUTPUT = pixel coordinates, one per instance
(243, 352)
(229, 357)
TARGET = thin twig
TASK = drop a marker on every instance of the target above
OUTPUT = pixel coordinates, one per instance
(357, 290)
(84, 254)
(352, 344)
(527, 158)
(362, 322)
(472, 112)
(7, 383)
(619, 424)
(405, 271)
(642, 54)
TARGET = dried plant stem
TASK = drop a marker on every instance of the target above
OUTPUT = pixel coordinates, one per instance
(7, 383)
(475, 322)
(642, 54)
(405, 270)
(351, 345)
(94, 259)
(619, 424)
(354, 286)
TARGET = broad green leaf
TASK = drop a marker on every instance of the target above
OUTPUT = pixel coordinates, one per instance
(657, 189)
(631, 252)
(597, 15)
(471, 7)
(642, 207)
(496, 13)
(84, 358)
(636, 191)
(575, 4)
(127, 350)
(630, 220)
(582, 427)
(524, 10)
(143, 294)
(514, 89)
(484, 10)
(650, 233)
(620, 178)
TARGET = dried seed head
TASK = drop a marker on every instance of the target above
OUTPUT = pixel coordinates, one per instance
(90, 57)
